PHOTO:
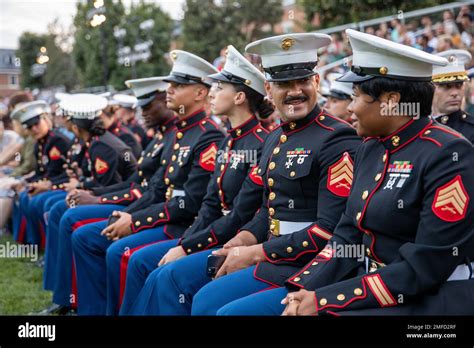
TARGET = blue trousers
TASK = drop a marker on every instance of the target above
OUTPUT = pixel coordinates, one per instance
(94, 254)
(36, 230)
(266, 302)
(20, 208)
(169, 290)
(216, 294)
(25, 229)
(65, 288)
(50, 256)
(141, 263)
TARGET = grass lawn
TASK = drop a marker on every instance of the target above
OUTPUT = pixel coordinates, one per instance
(21, 289)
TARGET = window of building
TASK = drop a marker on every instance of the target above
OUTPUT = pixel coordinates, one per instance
(13, 79)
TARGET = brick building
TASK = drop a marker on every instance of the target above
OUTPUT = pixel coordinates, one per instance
(10, 71)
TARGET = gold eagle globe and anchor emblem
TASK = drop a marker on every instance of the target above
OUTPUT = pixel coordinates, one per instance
(286, 43)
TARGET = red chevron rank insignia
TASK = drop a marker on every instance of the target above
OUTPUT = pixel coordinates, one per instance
(340, 176)
(54, 154)
(207, 159)
(257, 179)
(451, 201)
(101, 167)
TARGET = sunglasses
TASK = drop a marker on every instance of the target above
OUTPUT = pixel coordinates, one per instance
(31, 124)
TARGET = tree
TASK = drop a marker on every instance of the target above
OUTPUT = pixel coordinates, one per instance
(95, 49)
(28, 50)
(93, 43)
(159, 34)
(61, 70)
(208, 26)
(254, 18)
(205, 30)
(57, 71)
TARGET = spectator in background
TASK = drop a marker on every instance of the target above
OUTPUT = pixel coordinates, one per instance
(467, 29)
(20, 162)
(439, 29)
(395, 31)
(449, 24)
(346, 48)
(432, 39)
(423, 43)
(411, 30)
(444, 43)
(451, 28)
(383, 28)
(407, 35)
(335, 49)
(10, 143)
(463, 11)
(220, 61)
(426, 22)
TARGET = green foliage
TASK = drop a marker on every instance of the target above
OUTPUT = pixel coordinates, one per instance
(209, 26)
(92, 42)
(160, 34)
(29, 48)
(60, 70)
(95, 48)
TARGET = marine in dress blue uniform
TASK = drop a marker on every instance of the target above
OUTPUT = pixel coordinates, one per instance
(450, 83)
(127, 107)
(97, 203)
(409, 209)
(162, 214)
(233, 196)
(108, 160)
(306, 166)
(77, 164)
(50, 153)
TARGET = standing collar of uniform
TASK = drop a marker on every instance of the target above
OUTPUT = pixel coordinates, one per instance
(405, 134)
(115, 127)
(191, 120)
(45, 138)
(293, 126)
(244, 128)
(453, 115)
(94, 139)
(168, 124)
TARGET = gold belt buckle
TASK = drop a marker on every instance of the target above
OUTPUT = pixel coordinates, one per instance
(275, 227)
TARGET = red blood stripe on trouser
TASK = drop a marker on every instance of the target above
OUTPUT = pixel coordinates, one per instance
(124, 265)
(42, 235)
(75, 226)
(21, 234)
